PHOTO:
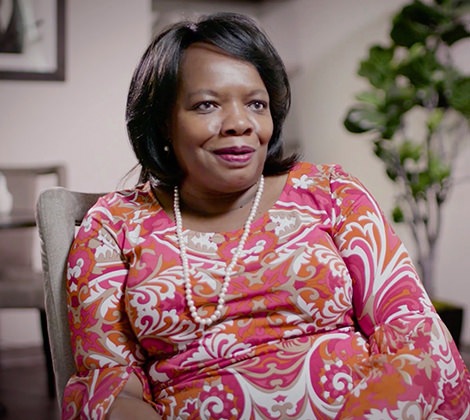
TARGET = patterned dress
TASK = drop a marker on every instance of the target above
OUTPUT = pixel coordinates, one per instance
(325, 316)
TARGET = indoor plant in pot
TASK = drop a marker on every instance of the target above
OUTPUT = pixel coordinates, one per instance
(416, 110)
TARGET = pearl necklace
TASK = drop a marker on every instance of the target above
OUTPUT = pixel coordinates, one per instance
(228, 272)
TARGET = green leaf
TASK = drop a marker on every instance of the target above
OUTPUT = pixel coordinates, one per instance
(459, 96)
(419, 67)
(410, 150)
(455, 33)
(419, 184)
(415, 23)
(383, 151)
(363, 119)
(391, 173)
(370, 97)
(399, 100)
(397, 215)
(434, 119)
(438, 170)
(392, 124)
(378, 67)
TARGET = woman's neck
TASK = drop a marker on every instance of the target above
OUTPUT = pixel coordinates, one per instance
(208, 203)
(210, 212)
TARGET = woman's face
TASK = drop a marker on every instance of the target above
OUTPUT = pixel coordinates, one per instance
(221, 123)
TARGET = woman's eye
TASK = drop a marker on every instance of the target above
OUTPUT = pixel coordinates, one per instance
(258, 105)
(204, 106)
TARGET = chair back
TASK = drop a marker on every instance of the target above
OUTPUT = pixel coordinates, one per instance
(58, 212)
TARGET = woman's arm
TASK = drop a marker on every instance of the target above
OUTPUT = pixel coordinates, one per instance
(106, 351)
(413, 365)
(130, 403)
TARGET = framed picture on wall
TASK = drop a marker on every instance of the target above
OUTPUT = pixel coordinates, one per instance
(32, 40)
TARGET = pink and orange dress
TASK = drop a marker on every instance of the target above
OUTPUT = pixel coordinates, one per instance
(325, 316)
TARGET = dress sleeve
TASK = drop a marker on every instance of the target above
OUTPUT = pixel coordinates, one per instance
(106, 352)
(414, 369)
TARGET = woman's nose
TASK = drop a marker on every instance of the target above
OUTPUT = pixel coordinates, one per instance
(237, 122)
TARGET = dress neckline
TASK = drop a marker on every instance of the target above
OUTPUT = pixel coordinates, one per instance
(229, 233)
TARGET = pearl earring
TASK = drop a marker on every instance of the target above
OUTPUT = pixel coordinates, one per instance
(166, 148)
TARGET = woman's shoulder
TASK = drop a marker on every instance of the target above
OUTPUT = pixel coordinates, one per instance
(308, 175)
(125, 203)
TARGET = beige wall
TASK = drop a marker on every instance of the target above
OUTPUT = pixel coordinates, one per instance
(81, 121)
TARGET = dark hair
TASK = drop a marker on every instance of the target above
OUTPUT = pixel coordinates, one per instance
(153, 89)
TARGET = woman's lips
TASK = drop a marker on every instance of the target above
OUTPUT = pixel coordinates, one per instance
(235, 154)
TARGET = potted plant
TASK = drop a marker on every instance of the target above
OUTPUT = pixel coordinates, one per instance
(417, 110)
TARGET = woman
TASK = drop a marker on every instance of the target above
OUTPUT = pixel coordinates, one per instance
(235, 283)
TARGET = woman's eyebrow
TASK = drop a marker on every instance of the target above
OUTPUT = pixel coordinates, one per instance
(211, 92)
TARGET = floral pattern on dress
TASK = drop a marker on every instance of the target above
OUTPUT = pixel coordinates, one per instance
(325, 316)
